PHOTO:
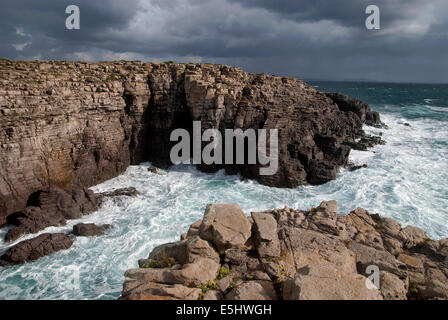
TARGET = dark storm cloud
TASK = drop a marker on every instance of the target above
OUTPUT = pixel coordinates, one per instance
(43, 23)
(345, 12)
(308, 38)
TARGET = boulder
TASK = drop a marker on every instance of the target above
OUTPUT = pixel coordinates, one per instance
(325, 218)
(413, 236)
(432, 289)
(265, 235)
(175, 250)
(35, 248)
(253, 290)
(212, 295)
(153, 170)
(200, 271)
(353, 167)
(389, 227)
(32, 220)
(361, 221)
(225, 225)
(368, 256)
(198, 248)
(363, 228)
(224, 283)
(413, 264)
(89, 229)
(365, 143)
(194, 229)
(344, 103)
(51, 207)
(302, 247)
(392, 287)
(392, 245)
(241, 261)
(317, 282)
(143, 290)
(127, 192)
(182, 252)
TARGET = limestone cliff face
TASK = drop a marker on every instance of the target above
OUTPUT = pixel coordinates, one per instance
(73, 125)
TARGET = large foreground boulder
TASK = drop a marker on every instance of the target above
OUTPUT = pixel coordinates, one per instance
(225, 225)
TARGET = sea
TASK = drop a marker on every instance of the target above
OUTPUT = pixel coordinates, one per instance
(405, 179)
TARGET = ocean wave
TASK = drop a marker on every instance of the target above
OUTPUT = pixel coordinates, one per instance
(439, 109)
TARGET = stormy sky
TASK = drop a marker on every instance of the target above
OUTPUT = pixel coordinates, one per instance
(310, 39)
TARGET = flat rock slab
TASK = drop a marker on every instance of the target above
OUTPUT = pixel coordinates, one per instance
(253, 290)
(197, 273)
(128, 192)
(322, 283)
(156, 291)
(89, 229)
(36, 248)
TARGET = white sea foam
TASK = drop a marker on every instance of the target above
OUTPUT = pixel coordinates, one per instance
(405, 179)
(435, 108)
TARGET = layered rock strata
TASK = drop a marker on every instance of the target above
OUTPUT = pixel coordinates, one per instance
(293, 255)
(72, 125)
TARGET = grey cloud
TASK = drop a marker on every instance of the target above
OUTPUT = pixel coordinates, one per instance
(310, 39)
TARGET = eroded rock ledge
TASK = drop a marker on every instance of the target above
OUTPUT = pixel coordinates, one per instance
(293, 254)
(72, 125)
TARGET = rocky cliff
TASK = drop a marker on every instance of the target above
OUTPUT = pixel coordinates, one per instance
(293, 254)
(72, 125)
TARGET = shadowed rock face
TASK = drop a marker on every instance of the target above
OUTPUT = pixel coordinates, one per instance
(51, 207)
(294, 255)
(36, 248)
(73, 125)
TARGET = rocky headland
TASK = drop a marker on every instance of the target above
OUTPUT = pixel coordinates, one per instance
(65, 126)
(292, 254)
(72, 125)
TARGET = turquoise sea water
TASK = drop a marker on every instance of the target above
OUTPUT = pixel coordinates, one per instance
(406, 179)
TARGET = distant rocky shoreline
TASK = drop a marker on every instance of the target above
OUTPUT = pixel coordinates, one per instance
(292, 254)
